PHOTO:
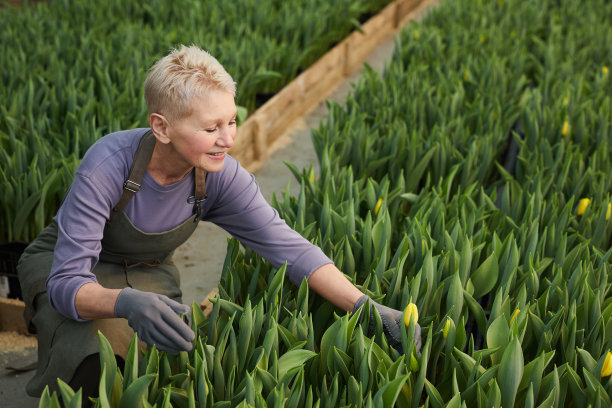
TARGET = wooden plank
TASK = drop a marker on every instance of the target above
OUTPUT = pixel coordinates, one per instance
(11, 315)
(279, 109)
(206, 304)
(330, 65)
(260, 145)
(376, 30)
(308, 100)
(243, 149)
(404, 8)
(275, 107)
(416, 12)
(302, 94)
(250, 129)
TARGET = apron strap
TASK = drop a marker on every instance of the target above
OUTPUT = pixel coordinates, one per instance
(200, 183)
(137, 170)
(199, 194)
(139, 165)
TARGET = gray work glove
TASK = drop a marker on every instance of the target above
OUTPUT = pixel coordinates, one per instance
(393, 322)
(155, 318)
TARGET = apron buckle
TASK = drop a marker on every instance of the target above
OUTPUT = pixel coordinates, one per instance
(197, 208)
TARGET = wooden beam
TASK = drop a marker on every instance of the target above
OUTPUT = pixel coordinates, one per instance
(11, 315)
(206, 304)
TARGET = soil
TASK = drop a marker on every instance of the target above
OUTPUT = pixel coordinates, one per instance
(13, 342)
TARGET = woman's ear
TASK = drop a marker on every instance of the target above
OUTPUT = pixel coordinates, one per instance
(159, 126)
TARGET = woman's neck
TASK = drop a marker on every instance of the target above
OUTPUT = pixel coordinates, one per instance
(165, 166)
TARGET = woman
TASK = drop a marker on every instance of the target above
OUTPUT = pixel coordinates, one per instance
(105, 263)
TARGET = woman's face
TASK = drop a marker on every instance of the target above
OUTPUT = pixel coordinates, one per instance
(203, 138)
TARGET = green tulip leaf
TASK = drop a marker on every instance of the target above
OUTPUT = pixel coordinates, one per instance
(510, 372)
(485, 277)
(292, 359)
(135, 391)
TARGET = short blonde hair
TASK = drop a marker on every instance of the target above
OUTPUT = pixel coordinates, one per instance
(184, 73)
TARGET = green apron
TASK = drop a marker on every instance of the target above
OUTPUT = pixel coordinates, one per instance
(129, 257)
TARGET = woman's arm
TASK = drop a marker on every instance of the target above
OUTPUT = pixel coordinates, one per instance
(93, 301)
(81, 219)
(236, 205)
(330, 283)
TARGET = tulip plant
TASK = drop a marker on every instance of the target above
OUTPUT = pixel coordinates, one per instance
(424, 206)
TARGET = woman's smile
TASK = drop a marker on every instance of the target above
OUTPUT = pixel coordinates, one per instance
(216, 156)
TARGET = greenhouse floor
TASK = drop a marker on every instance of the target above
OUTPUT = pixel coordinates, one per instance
(201, 258)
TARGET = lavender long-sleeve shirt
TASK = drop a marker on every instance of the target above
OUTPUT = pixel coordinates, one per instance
(234, 203)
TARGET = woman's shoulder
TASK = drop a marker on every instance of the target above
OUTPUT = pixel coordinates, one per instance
(113, 151)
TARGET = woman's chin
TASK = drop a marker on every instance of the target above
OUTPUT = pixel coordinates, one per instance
(212, 166)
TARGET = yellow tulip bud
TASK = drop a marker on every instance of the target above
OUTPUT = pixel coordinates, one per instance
(604, 69)
(566, 128)
(606, 370)
(446, 328)
(582, 205)
(565, 100)
(311, 176)
(411, 312)
(517, 311)
(378, 204)
(465, 75)
(609, 211)
(416, 34)
(414, 363)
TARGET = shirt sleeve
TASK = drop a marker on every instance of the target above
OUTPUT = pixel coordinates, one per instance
(241, 210)
(80, 222)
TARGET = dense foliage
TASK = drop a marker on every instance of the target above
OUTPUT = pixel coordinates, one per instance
(422, 199)
(72, 71)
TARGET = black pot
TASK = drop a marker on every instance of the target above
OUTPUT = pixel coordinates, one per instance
(9, 256)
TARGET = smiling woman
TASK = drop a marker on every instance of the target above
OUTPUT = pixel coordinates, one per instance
(105, 262)
(190, 97)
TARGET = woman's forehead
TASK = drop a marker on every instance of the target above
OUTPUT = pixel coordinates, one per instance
(213, 105)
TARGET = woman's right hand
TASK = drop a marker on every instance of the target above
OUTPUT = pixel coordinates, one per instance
(156, 319)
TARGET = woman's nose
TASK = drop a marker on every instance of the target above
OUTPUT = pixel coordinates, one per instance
(226, 137)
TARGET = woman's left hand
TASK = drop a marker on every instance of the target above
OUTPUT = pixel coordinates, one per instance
(393, 323)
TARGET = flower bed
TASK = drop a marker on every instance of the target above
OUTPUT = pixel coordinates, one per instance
(508, 271)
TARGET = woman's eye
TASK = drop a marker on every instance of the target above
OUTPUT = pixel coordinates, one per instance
(232, 123)
(211, 130)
